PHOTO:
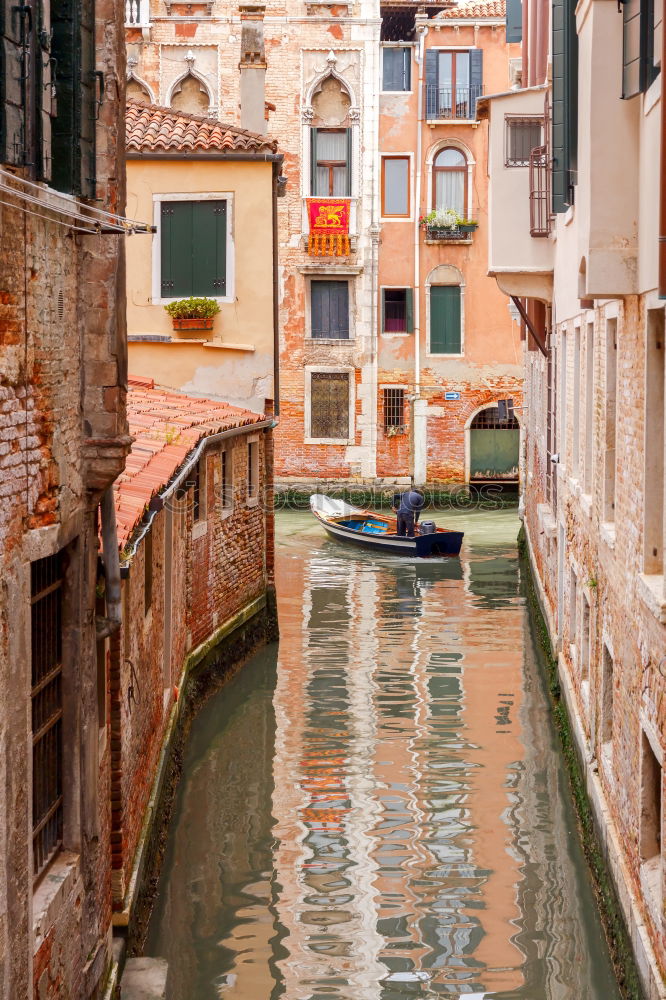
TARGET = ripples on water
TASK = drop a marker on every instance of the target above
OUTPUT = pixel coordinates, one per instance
(382, 813)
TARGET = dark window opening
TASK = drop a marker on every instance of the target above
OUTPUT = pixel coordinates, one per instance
(491, 419)
(329, 405)
(394, 410)
(396, 69)
(199, 490)
(46, 599)
(607, 681)
(397, 310)
(522, 136)
(329, 310)
(253, 469)
(227, 486)
(331, 162)
(651, 797)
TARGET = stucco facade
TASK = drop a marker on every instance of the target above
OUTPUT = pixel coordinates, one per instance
(585, 266)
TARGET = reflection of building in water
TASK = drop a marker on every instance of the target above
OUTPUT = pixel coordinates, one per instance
(215, 921)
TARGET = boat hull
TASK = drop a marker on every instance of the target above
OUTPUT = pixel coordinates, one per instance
(439, 543)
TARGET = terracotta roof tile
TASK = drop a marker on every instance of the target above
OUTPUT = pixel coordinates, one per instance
(475, 11)
(152, 129)
(166, 427)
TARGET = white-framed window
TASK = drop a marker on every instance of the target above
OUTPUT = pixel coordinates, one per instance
(397, 311)
(450, 177)
(445, 312)
(193, 247)
(329, 404)
(395, 186)
(331, 153)
(253, 470)
(396, 68)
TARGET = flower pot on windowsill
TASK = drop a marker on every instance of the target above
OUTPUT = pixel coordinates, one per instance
(199, 323)
(467, 227)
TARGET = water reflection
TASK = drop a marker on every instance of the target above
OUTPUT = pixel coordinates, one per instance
(387, 816)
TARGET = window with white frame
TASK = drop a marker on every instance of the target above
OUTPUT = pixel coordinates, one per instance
(397, 310)
(330, 149)
(329, 310)
(396, 68)
(449, 180)
(329, 405)
(193, 248)
(395, 186)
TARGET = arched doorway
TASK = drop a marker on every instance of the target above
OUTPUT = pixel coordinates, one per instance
(494, 446)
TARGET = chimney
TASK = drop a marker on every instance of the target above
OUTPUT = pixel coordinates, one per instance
(252, 68)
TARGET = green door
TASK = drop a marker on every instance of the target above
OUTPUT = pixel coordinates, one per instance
(494, 453)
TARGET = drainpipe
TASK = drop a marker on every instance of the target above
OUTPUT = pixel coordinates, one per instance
(662, 175)
(107, 626)
(419, 465)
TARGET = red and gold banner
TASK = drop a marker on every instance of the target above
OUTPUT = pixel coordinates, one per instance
(329, 227)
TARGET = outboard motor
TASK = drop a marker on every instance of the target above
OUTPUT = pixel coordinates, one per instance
(428, 527)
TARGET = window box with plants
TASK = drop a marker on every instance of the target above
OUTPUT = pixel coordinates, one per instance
(447, 224)
(192, 313)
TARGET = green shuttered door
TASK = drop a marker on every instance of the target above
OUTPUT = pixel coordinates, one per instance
(194, 248)
(445, 336)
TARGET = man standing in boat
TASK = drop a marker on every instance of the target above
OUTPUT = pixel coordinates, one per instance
(408, 507)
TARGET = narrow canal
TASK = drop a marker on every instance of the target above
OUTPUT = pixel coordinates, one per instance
(376, 810)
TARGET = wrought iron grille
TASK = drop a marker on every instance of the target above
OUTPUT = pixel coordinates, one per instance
(521, 137)
(329, 405)
(46, 587)
(540, 176)
(489, 419)
(394, 410)
(444, 103)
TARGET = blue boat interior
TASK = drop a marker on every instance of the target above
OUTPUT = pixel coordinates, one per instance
(365, 525)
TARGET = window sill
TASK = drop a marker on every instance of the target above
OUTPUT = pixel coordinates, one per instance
(607, 533)
(329, 341)
(225, 512)
(448, 243)
(395, 93)
(199, 529)
(443, 357)
(396, 333)
(451, 121)
(252, 502)
(396, 218)
(56, 884)
(653, 595)
(336, 441)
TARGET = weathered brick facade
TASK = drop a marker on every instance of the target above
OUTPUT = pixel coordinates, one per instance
(311, 51)
(63, 439)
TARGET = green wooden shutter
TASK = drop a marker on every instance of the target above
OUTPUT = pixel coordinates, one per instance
(565, 103)
(12, 91)
(475, 79)
(409, 310)
(514, 20)
(631, 48)
(445, 332)
(74, 126)
(432, 83)
(193, 249)
(383, 310)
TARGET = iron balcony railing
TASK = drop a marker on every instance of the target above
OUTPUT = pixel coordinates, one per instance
(452, 104)
(137, 13)
(539, 192)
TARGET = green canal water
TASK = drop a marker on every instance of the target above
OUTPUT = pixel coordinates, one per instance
(376, 808)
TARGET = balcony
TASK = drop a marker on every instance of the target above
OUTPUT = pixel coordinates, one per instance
(445, 104)
(436, 234)
(539, 192)
(137, 13)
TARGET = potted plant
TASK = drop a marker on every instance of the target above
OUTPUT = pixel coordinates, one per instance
(467, 225)
(193, 313)
(442, 224)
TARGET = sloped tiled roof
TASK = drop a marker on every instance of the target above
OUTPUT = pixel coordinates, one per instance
(475, 11)
(152, 129)
(166, 427)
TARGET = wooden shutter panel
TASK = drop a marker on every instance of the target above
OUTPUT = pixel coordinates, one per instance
(445, 333)
(44, 91)
(383, 310)
(514, 20)
(349, 161)
(632, 64)
(406, 64)
(565, 103)
(318, 309)
(340, 309)
(12, 90)
(475, 79)
(87, 123)
(409, 310)
(432, 83)
(313, 161)
(208, 248)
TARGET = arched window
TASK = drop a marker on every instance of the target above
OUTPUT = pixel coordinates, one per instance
(190, 95)
(137, 92)
(449, 178)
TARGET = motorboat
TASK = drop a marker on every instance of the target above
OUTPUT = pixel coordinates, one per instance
(378, 532)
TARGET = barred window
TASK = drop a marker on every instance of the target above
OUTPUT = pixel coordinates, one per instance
(489, 419)
(329, 405)
(394, 410)
(522, 136)
(46, 587)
